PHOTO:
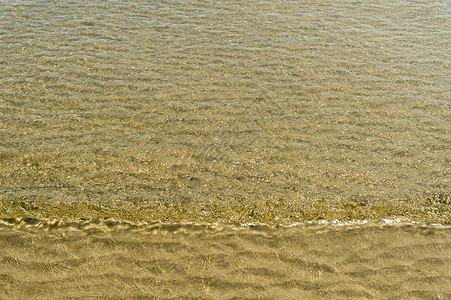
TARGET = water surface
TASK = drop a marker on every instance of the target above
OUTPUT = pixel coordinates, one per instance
(224, 112)
(111, 259)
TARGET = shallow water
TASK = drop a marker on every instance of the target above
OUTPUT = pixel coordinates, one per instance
(125, 260)
(231, 112)
(341, 103)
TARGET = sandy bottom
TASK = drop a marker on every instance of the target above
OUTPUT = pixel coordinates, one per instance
(110, 259)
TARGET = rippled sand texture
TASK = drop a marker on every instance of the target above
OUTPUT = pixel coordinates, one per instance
(233, 112)
(341, 103)
(94, 259)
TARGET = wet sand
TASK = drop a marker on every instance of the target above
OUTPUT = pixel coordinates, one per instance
(110, 259)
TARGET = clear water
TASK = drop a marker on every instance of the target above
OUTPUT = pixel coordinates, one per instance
(204, 112)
